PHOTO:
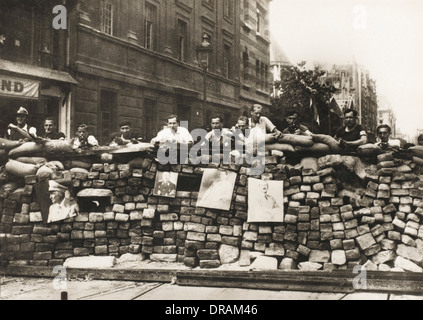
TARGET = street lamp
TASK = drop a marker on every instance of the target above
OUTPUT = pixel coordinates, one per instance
(204, 51)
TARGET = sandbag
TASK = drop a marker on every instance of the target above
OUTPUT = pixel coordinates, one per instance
(328, 140)
(319, 148)
(9, 144)
(286, 148)
(57, 146)
(33, 160)
(55, 165)
(20, 169)
(296, 140)
(418, 161)
(27, 149)
(417, 151)
(44, 173)
(139, 147)
(369, 150)
(79, 170)
(3, 157)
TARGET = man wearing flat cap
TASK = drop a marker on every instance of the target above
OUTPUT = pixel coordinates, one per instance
(125, 136)
(62, 208)
(21, 130)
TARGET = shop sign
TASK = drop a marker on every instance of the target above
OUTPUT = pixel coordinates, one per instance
(11, 86)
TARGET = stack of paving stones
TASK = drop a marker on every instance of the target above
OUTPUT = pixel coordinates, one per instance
(326, 226)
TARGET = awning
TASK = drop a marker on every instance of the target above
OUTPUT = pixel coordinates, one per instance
(37, 72)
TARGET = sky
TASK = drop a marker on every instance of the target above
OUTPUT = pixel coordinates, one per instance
(384, 36)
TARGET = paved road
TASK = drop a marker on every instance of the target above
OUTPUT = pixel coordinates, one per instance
(43, 289)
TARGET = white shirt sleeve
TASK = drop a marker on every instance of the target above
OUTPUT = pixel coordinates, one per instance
(92, 141)
(185, 136)
(33, 131)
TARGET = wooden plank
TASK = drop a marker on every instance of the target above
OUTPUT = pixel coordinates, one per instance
(144, 275)
(339, 281)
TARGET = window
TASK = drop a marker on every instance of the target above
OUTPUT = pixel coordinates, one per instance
(257, 73)
(227, 62)
(246, 65)
(246, 10)
(266, 77)
(108, 17)
(262, 78)
(259, 22)
(182, 40)
(150, 26)
(228, 9)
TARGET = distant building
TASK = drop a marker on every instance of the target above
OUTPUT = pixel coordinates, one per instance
(278, 60)
(355, 90)
(386, 115)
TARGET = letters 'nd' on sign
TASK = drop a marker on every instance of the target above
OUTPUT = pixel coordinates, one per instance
(11, 86)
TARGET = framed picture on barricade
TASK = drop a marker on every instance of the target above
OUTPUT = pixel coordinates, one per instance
(217, 188)
(265, 201)
(166, 184)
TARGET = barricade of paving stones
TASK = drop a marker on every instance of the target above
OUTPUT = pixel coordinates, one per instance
(326, 224)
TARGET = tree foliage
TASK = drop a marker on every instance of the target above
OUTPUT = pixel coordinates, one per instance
(297, 88)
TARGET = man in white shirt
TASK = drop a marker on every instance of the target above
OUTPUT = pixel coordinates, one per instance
(21, 130)
(384, 136)
(218, 136)
(258, 121)
(62, 208)
(173, 133)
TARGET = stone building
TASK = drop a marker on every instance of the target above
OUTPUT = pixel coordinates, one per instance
(255, 72)
(138, 60)
(34, 69)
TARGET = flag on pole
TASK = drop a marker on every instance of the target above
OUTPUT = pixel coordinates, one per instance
(313, 108)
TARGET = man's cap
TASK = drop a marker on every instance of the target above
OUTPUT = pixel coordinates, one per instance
(54, 186)
(125, 123)
(22, 111)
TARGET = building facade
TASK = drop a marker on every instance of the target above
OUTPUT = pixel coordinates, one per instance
(138, 60)
(255, 42)
(33, 65)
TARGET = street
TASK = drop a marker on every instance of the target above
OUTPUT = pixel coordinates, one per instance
(13, 288)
